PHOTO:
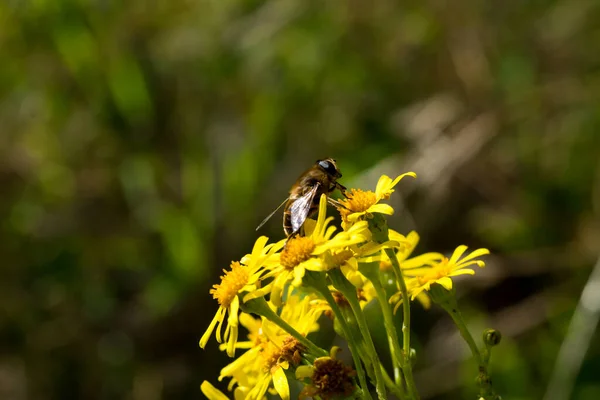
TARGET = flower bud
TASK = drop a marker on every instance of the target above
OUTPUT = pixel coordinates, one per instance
(412, 356)
(491, 337)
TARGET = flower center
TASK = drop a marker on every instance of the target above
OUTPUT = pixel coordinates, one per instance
(292, 350)
(356, 201)
(332, 378)
(439, 271)
(231, 283)
(270, 355)
(297, 250)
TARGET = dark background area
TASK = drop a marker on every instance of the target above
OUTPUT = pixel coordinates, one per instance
(142, 142)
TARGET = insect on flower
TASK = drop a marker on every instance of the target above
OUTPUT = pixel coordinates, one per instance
(304, 196)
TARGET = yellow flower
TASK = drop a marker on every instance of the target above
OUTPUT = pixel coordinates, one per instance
(271, 351)
(303, 253)
(359, 203)
(435, 268)
(240, 278)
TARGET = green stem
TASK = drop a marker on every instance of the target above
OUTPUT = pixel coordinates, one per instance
(407, 366)
(447, 300)
(392, 386)
(349, 291)
(259, 306)
(371, 271)
(466, 335)
(318, 283)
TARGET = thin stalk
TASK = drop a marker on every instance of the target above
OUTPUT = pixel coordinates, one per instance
(349, 291)
(372, 273)
(407, 367)
(322, 288)
(351, 343)
(447, 300)
(391, 385)
(466, 335)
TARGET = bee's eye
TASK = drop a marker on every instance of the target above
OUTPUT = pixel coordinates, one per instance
(328, 167)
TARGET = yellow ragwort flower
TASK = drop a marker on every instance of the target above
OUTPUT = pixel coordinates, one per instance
(435, 268)
(239, 279)
(303, 253)
(359, 203)
(271, 351)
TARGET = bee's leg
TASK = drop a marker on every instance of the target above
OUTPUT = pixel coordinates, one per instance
(341, 188)
(335, 203)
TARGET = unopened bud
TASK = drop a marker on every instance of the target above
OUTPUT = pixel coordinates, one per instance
(491, 337)
(412, 356)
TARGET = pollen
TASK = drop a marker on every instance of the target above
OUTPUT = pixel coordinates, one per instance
(296, 251)
(292, 350)
(356, 200)
(332, 378)
(231, 283)
(270, 355)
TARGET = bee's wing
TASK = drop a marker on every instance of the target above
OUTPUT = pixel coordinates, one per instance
(300, 208)
(264, 221)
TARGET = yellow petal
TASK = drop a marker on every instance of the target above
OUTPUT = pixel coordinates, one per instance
(281, 384)
(355, 216)
(425, 300)
(210, 329)
(398, 237)
(462, 272)
(239, 363)
(462, 265)
(445, 282)
(460, 250)
(219, 329)
(383, 185)
(258, 293)
(298, 275)
(355, 277)
(330, 231)
(381, 208)
(423, 260)
(475, 254)
(259, 245)
(241, 393)
(309, 226)
(312, 264)
(211, 392)
(415, 292)
(304, 371)
(322, 215)
(232, 327)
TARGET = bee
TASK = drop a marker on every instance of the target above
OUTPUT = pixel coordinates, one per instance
(305, 194)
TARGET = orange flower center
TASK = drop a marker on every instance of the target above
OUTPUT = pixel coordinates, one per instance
(356, 201)
(296, 251)
(270, 355)
(438, 271)
(231, 283)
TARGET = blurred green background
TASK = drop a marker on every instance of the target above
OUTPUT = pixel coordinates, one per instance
(142, 142)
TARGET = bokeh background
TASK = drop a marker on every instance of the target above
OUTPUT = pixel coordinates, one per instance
(143, 141)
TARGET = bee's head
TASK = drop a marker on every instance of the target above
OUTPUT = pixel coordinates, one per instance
(329, 166)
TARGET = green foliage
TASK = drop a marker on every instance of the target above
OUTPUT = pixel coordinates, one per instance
(142, 142)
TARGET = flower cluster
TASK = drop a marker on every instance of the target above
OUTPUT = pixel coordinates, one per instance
(280, 290)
